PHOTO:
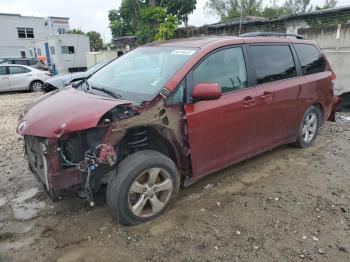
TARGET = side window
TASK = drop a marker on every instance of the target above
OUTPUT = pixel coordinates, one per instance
(18, 70)
(225, 67)
(311, 59)
(3, 70)
(272, 63)
(177, 97)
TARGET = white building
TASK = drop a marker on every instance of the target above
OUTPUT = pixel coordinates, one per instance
(66, 52)
(30, 36)
(19, 33)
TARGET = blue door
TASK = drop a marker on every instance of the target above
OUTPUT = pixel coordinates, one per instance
(48, 57)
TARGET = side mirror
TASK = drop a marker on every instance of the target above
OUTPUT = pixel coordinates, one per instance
(206, 91)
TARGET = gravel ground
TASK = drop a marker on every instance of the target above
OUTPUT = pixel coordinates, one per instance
(285, 205)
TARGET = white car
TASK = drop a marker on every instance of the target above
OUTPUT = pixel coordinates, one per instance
(20, 77)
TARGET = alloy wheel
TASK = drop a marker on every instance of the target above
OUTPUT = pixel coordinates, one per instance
(309, 128)
(150, 192)
(37, 87)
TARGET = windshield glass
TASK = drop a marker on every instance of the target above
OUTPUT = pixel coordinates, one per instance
(140, 74)
(96, 67)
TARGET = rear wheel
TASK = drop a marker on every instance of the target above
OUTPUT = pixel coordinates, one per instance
(36, 86)
(145, 185)
(309, 127)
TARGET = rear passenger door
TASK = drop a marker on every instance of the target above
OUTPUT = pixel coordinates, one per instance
(221, 132)
(277, 90)
(19, 77)
(316, 82)
(4, 79)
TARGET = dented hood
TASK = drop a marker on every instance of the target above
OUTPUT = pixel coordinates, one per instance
(64, 111)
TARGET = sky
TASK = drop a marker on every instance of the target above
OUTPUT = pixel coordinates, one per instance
(92, 15)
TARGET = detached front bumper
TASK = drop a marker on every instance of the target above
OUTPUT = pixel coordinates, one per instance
(43, 160)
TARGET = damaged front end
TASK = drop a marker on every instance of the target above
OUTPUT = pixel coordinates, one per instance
(64, 155)
(64, 147)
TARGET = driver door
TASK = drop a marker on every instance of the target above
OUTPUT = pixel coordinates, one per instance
(221, 132)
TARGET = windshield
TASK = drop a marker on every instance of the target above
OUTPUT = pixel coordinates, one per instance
(140, 74)
(96, 67)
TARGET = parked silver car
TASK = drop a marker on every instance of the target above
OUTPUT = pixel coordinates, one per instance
(20, 77)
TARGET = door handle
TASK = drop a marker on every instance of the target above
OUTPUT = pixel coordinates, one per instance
(249, 101)
(267, 97)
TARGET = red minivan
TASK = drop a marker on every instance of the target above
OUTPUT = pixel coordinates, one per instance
(172, 112)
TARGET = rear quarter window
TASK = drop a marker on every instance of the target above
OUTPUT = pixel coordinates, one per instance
(272, 63)
(311, 59)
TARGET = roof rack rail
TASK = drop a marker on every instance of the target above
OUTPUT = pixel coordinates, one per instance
(255, 34)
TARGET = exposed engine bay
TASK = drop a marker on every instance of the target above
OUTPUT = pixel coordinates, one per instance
(86, 158)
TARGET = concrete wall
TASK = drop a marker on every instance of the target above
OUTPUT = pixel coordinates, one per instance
(335, 43)
(93, 58)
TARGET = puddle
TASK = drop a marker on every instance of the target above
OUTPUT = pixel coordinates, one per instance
(6, 246)
(17, 228)
(25, 195)
(3, 201)
(25, 206)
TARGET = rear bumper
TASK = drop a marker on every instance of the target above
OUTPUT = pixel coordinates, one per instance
(43, 160)
(336, 102)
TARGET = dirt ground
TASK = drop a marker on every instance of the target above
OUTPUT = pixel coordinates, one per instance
(285, 205)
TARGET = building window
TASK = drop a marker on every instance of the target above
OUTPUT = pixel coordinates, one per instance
(30, 32)
(52, 50)
(25, 32)
(61, 31)
(39, 51)
(23, 54)
(67, 49)
(21, 32)
(31, 53)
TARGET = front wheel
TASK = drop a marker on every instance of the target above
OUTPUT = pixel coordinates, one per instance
(309, 127)
(36, 86)
(144, 186)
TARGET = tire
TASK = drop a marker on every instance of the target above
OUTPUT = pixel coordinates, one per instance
(309, 127)
(135, 194)
(36, 86)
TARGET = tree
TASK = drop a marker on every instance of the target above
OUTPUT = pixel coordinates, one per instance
(273, 11)
(297, 6)
(96, 42)
(76, 31)
(327, 4)
(149, 19)
(228, 9)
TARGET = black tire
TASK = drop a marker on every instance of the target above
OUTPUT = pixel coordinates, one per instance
(36, 86)
(301, 141)
(129, 170)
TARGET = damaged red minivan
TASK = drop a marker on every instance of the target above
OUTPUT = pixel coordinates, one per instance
(172, 112)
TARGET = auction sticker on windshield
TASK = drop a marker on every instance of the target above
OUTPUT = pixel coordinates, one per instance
(183, 52)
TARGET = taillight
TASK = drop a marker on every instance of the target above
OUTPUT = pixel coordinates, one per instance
(334, 76)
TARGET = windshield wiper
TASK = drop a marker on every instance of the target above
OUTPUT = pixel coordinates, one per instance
(107, 91)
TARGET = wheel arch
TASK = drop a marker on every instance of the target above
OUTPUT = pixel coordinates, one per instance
(321, 108)
(35, 80)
